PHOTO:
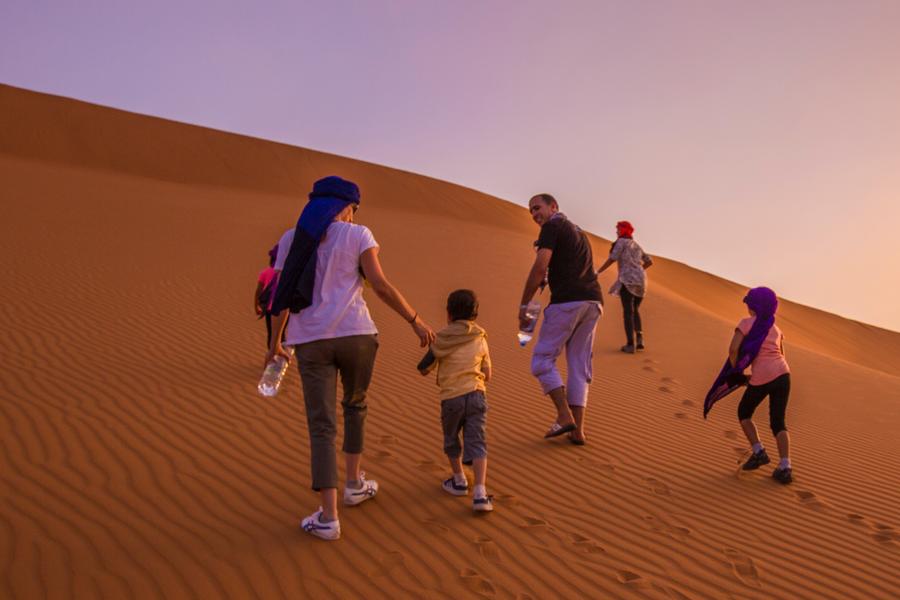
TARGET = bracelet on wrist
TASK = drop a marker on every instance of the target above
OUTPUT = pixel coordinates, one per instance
(413, 320)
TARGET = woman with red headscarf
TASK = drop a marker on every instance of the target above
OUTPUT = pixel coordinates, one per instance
(631, 284)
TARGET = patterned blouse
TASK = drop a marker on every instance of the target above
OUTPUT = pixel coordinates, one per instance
(631, 259)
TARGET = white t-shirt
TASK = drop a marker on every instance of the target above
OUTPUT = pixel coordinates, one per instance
(338, 308)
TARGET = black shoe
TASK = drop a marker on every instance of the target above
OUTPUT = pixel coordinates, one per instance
(640, 343)
(782, 475)
(757, 460)
(628, 349)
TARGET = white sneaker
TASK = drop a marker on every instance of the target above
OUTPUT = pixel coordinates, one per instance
(313, 525)
(369, 488)
(451, 487)
(483, 504)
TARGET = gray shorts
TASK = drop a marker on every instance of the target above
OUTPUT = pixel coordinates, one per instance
(466, 413)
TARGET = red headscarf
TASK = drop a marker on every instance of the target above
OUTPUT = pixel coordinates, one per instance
(624, 229)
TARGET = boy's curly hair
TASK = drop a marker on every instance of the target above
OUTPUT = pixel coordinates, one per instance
(462, 305)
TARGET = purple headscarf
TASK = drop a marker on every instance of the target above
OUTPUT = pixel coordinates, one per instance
(764, 303)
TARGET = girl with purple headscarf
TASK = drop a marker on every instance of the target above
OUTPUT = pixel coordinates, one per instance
(759, 344)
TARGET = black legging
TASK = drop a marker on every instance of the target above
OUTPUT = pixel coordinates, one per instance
(778, 390)
(630, 305)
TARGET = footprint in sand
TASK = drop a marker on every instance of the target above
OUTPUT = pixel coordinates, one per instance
(387, 440)
(507, 500)
(428, 465)
(674, 531)
(604, 468)
(630, 578)
(856, 519)
(885, 534)
(585, 544)
(476, 583)
(665, 389)
(682, 416)
(650, 369)
(810, 499)
(731, 434)
(657, 487)
(688, 403)
(671, 380)
(487, 548)
(382, 454)
(534, 523)
(743, 567)
(437, 524)
(651, 361)
(391, 561)
(741, 453)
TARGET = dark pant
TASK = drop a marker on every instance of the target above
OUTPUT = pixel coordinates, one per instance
(320, 362)
(466, 413)
(630, 306)
(778, 390)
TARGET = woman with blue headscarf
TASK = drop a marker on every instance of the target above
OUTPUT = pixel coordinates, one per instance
(759, 344)
(322, 263)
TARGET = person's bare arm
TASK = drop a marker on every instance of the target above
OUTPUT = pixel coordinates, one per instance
(391, 296)
(535, 277)
(735, 347)
(486, 363)
(256, 307)
(605, 265)
(279, 320)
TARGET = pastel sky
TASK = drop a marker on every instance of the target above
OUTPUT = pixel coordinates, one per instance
(758, 140)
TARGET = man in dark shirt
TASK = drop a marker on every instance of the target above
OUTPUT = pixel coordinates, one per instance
(564, 255)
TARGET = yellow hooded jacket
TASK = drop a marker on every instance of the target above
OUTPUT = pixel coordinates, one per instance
(461, 356)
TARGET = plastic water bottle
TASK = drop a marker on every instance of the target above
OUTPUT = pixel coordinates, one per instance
(531, 313)
(272, 376)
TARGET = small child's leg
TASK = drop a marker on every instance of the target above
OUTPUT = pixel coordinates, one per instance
(752, 433)
(753, 396)
(456, 466)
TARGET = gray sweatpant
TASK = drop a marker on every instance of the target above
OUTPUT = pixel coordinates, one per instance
(320, 362)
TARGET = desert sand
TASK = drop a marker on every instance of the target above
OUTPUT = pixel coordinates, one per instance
(138, 460)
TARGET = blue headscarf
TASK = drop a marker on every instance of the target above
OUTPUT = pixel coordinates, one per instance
(764, 303)
(328, 198)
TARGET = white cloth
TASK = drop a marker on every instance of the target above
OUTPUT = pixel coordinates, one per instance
(630, 258)
(338, 308)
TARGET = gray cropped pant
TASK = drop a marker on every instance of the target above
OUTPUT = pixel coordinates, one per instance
(320, 362)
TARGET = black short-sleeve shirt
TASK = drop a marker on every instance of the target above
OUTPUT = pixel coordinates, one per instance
(571, 272)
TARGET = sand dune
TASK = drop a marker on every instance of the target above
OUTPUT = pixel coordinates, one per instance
(138, 461)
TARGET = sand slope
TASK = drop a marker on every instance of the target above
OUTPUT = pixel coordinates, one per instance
(137, 460)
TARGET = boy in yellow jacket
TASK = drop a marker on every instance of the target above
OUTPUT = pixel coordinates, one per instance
(460, 353)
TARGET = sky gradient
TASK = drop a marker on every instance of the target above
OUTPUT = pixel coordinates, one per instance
(757, 141)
